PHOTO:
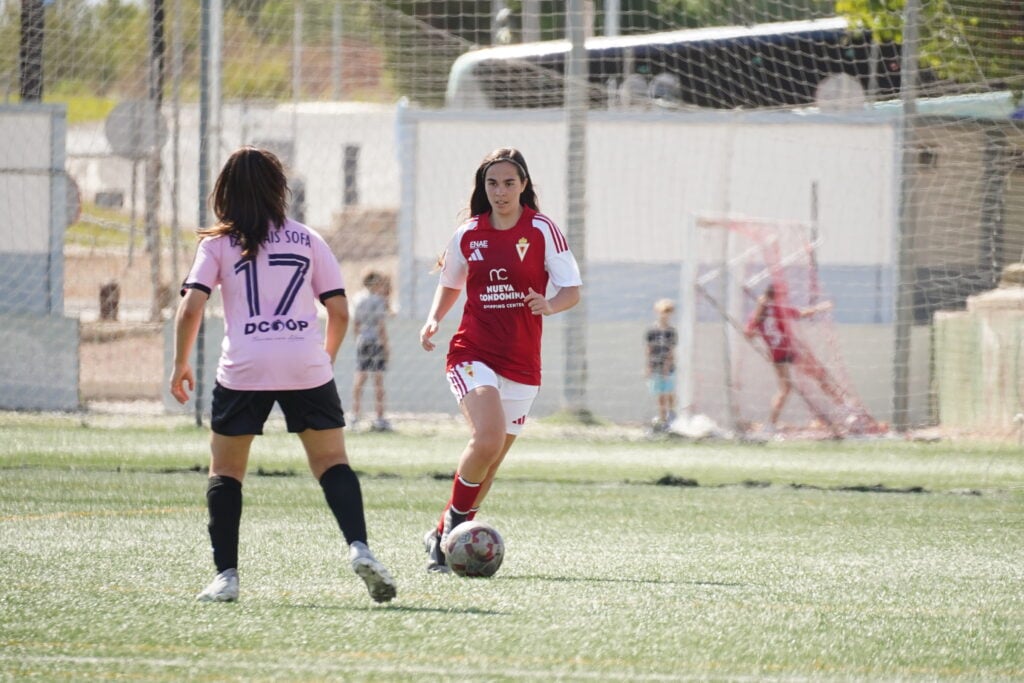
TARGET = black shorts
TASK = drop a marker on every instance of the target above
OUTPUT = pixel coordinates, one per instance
(371, 356)
(783, 357)
(240, 413)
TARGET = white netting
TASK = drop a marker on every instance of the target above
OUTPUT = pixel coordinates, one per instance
(738, 258)
(382, 109)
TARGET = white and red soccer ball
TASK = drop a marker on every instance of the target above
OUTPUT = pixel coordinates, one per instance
(474, 549)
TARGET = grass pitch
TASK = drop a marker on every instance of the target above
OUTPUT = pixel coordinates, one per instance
(864, 561)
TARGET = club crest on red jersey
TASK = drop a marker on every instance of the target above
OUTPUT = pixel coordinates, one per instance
(521, 246)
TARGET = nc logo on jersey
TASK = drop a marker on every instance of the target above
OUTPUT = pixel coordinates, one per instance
(521, 246)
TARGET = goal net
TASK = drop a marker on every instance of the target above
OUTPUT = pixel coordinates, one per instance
(381, 110)
(761, 351)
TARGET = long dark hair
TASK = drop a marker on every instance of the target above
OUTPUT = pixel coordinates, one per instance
(249, 197)
(478, 203)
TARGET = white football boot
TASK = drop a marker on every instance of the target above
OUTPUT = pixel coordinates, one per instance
(377, 579)
(223, 588)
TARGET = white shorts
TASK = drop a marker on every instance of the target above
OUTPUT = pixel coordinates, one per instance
(516, 398)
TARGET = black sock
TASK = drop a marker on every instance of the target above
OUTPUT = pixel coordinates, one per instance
(224, 502)
(345, 498)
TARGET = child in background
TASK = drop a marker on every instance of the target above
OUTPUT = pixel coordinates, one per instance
(661, 362)
(369, 318)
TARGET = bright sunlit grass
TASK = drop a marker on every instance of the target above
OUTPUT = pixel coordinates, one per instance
(82, 108)
(100, 227)
(775, 566)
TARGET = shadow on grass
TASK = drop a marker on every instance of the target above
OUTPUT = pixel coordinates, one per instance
(399, 607)
(590, 579)
(687, 482)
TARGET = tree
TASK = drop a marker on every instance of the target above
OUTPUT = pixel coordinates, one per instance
(644, 16)
(965, 41)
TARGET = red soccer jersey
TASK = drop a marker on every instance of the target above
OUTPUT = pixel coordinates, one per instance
(775, 329)
(497, 268)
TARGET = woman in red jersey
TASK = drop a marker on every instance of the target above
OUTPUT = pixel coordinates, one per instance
(505, 256)
(772, 319)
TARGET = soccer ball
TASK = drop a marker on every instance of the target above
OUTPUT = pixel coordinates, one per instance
(474, 549)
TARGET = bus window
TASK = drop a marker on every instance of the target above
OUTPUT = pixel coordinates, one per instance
(766, 65)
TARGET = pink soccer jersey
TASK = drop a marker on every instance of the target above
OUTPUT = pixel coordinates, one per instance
(272, 338)
(497, 268)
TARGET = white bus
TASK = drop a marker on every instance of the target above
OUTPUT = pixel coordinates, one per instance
(765, 65)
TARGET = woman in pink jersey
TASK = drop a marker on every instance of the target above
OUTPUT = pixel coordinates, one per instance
(271, 271)
(505, 256)
(772, 319)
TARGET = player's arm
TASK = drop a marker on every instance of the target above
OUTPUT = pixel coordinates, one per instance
(755, 319)
(444, 299)
(186, 327)
(563, 271)
(566, 298)
(337, 324)
(814, 310)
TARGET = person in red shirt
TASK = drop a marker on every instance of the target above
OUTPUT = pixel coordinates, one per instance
(772, 319)
(505, 256)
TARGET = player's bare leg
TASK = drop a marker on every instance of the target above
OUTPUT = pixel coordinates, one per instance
(357, 396)
(485, 485)
(380, 424)
(485, 415)
(324, 448)
(483, 410)
(433, 538)
(785, 386)
(229, 455)
(665, 408)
